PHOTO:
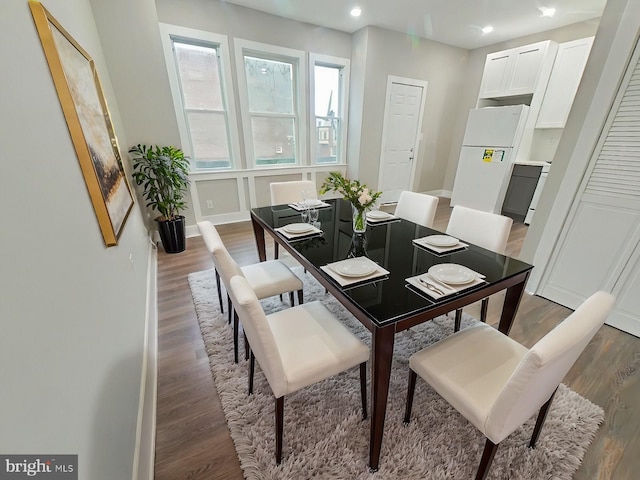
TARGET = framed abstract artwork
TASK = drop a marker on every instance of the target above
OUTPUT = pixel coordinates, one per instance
(87, 116)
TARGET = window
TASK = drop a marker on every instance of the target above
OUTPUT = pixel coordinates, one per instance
(272, 102)
(196, 63)
(329, 87)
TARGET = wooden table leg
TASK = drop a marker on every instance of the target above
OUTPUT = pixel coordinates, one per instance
(510, 307)
(258, 233)
(382, 340)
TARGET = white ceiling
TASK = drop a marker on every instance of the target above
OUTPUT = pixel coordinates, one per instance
(454, 22)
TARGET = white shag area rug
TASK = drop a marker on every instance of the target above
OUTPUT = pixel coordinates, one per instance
(325, 437)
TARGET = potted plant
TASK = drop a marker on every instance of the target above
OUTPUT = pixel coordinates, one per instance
(163, 174)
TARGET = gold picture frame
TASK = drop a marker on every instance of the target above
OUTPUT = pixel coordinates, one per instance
(87, 116)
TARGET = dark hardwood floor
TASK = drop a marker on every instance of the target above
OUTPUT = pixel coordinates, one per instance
(193, 441)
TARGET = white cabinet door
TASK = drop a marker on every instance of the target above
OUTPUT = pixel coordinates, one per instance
(527, 64)
(563, 83)
(513, 72)
(497, 68)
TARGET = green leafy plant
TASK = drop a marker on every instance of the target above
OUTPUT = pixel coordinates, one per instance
(163, 174)
(357, 193)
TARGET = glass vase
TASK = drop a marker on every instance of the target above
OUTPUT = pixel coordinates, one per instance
(359, 220)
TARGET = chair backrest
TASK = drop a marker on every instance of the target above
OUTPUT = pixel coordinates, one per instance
(225, 265)
(418, 208)
(487, 230)
(291, 192)
(256, 327)
(544, 366)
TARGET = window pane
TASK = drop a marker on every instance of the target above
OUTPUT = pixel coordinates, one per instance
(273, 140)
(209, 140)
(199, 76)
(327, 101)
(270, 85)
(327, 136)
(327, 86)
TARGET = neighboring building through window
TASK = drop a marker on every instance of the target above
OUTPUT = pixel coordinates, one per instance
(272, 103)
(200, 97)
(329, 82)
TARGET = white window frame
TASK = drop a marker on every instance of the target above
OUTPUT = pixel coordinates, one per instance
(170, 32)
(273, 52)
(344, 64)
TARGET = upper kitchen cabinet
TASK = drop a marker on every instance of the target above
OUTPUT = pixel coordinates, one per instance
(516, 72)
(563, 83)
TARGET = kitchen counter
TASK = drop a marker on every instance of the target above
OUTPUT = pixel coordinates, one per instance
(532, 163)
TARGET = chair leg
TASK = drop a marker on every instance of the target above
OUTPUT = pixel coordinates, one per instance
(489, 452)
(483, 310)
(458, 320)
(219, 290)
(411, 390)
(236, 327)
(279, 428)
(246, 346)
(291, 298)
(229, 308)
(363, 388)
(300, 297)
(276, 248)
(542, 416)
(252, 370)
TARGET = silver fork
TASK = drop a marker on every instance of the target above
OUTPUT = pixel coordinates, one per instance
(431, 287)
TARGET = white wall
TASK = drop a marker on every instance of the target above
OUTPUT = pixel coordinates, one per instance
(72, 312)
(442, 66)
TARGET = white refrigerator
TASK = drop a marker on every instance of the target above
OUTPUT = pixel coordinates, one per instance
(489, 148)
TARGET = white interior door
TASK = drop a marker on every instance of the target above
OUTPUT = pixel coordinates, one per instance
(400, 137)
(599, 246)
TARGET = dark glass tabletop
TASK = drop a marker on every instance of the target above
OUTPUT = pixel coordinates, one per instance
(390, 245)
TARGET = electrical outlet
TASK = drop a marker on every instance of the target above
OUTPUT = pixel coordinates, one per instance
(209, 203)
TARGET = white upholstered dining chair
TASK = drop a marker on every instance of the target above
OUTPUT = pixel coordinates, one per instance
(418, 208)
(267, 279)
(296, 347)
(291, 192)
(496, 383)
(484, 229)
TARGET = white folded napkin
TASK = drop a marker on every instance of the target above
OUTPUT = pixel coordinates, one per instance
(346, 281)
(421, 242)
(445, 289)
(302, 206)
(295, 236)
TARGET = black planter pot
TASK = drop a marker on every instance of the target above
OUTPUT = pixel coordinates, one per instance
(172, 234)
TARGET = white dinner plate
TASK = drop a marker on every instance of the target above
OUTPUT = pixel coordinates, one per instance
(311, 203)
(441, 240)
(355, 267)
(452, 273)
(296, 228)
(377, 215)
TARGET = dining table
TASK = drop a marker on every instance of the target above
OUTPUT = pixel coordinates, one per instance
(389, 303)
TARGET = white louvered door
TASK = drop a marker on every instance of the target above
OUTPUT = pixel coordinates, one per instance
(599, 248)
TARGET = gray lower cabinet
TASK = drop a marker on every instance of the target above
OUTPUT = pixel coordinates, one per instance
(522, 185)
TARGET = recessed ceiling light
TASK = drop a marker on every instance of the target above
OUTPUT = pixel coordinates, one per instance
(356, 11)
(548, 12)
(487, 29)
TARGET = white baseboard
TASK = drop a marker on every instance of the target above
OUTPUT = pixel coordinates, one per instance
(192, 230)
(440, 193)
(144, 453)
